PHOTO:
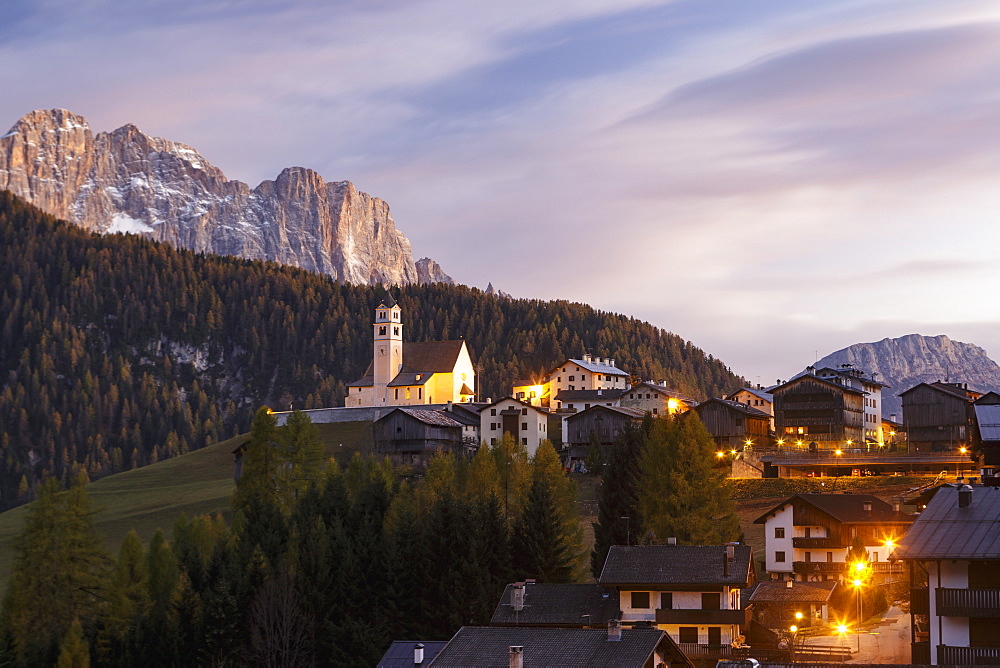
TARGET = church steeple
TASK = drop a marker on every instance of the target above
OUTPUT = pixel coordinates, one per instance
(388, 347)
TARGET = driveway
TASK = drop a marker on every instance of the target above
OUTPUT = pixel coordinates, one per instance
(888, 641)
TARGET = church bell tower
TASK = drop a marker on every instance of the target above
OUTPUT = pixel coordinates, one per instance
(388, 337)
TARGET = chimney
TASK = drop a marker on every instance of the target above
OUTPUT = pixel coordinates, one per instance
(418, 653)
(730, 551)
(672, 540)
(868, 507)
(516, 656)
(895, 507)
(586, 357)
(964, 496)
(517, 596)
(788, 584)
(611, 362)
(892, 417)
(614, 629)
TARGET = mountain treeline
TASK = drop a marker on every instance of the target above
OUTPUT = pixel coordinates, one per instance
(116, 351)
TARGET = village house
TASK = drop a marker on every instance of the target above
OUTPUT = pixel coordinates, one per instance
(656, 399)
(952, 552)
(527, 424)
(755, 397)
(938, 416)
(693, 592)
(818, 414)
(857, 379)
(411, 436)
(586, 373)
(602, 424)
(779, 604)
(807, 536)
(733, 424)
(411, 373)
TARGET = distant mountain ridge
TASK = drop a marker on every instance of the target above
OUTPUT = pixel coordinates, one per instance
(127, 181)
(909, 360)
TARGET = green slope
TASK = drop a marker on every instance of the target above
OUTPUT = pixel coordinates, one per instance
(153, 496)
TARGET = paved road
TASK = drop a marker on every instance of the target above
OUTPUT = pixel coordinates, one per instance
(885, 642)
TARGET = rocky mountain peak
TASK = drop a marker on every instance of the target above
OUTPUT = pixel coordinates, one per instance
(128, 181)
(912, 359)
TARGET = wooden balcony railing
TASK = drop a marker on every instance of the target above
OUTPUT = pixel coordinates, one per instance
(817, 542)
(818, 567)
(968, 602)
(703, 617)
(920, 653)
(967, 656)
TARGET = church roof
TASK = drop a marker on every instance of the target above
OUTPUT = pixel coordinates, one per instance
(420, 357)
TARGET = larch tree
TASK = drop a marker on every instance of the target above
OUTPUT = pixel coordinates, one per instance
(682, 494)
(618, 517)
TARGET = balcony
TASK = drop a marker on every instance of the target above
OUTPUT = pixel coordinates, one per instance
(696, 651)
(920, 653)
(920, 602)
(967, 656)
(818, 567)
(968, 602)
(703, 617)
(817, 542)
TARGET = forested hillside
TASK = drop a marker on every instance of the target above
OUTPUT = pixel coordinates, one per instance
(116, 351)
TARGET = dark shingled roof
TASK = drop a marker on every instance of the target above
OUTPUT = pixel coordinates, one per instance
(664, 390)
(437, 418)
(945, 531)
(400, 653)
(634, 413)
(778, 591)
(424, 357)
(592, 395)
(490, 646)
(558, 605)
(737, 406)
(405, 377)
(675, 565)
(849, 508)
(824, 381)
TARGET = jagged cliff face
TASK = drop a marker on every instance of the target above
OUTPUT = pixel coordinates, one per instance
(912, 359)
(429, 271)
(126, 181)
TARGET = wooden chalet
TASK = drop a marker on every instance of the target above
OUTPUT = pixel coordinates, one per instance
(603, 423)
(732, 423)
(411, 436)
(809, 409)
(938, 416)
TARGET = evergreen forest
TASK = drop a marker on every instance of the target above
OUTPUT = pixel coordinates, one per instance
(116, 352)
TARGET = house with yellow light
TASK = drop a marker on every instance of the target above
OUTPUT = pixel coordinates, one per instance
(587, 374)
(657, 399)
(807, 537)
(411, 373)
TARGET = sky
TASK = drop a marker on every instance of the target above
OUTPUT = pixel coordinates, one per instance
(771, 180)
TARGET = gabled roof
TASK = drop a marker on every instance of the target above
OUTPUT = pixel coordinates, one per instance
(847, 508)
(947, 388)
(778, 591)
(523, 404)
(436, 418)
(737, 406)
(633, 413)
(852, 374)
(574, 605)
(487, 647)
(609, 394)
(823, 381)
(388, 301)
(676, 565)
(665, 391)
(762, 394)
(593, 367)
(410, 378)
(423, 357)
(400, 653)
(945, 531)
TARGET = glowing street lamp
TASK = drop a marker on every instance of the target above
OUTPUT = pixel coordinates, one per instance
(838, 452)
(720, 454)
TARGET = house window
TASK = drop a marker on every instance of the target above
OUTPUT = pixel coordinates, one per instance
(524, 441)
(524, 426)
(569, 405)
(808, 532)
(688, 634)
(420, 393)
(396, 391)
(572, 378)
(640, 599)
(524, 411)
(715, 635)
(586, 406)
(667, 600)
(493, 412)
(809, 557)
(779, 557)
(779, 532)
(395, 331)
(711, 601)
(583, 376)
(558, 379)
(654, 410)
(829, 557)
(381, 331)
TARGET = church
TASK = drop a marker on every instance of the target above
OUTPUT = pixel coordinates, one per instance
(411, 374)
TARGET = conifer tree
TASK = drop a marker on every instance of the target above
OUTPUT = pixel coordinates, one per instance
(618, 518)
(261, 463)
(74, 652)
(547, 541)
(513, 474)
(682, 495)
